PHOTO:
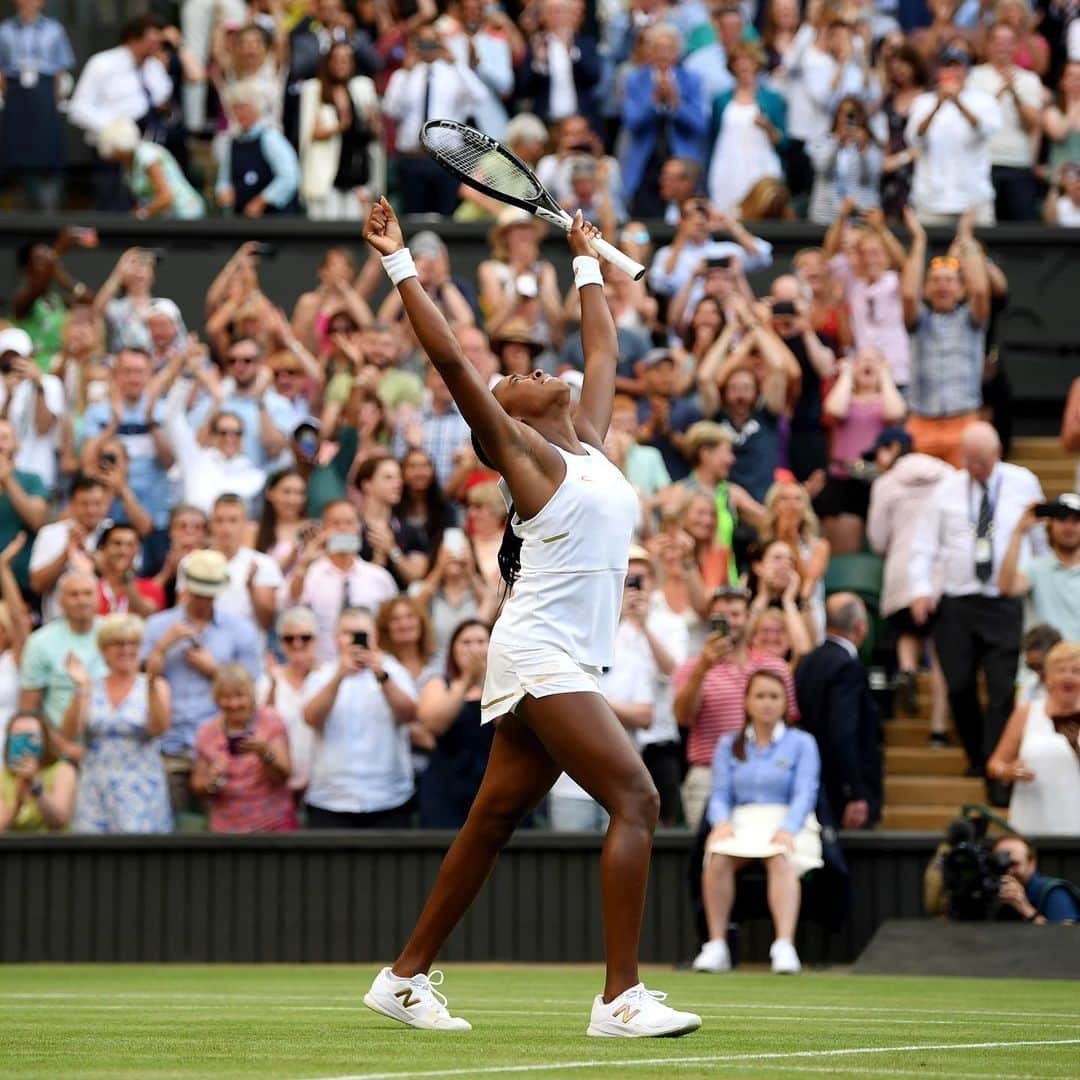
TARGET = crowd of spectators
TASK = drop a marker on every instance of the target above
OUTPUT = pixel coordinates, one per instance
(776, 109)
(248, 573)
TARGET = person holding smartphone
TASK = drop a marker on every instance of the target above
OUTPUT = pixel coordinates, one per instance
(360, 710)
(37, 788)
(847, 163)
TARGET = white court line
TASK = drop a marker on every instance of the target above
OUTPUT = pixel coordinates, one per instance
(863, 1070)
(703, 1059)
(269, 1000)
(785, 1018)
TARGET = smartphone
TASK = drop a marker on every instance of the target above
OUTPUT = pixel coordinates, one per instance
(851, 120)
(783, 307)
(360, 639)
(719, 624)
(455, 541)
(234, 742)
(265, 251)
(633, 581)
(156, 253)
(107, 459)
(718, 262)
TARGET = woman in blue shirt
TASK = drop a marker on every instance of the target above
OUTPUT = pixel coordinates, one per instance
(765, 787)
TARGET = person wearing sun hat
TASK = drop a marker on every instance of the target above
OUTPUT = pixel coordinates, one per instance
(187, 644)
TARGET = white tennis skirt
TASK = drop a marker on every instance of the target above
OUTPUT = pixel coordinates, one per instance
(755, 824)
(513, 672)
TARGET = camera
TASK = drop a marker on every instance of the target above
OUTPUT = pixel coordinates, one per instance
(360, 639)
(7, 365)
(107, 459)
(971, 873)
(633, 581)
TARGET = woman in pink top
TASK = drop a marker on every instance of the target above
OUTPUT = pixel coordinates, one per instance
(242, 763)
(862, 402)
(867, 267)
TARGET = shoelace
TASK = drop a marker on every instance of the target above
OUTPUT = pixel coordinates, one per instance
(426, 985)
(639, 994)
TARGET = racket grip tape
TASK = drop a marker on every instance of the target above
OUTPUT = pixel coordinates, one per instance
(618, 258)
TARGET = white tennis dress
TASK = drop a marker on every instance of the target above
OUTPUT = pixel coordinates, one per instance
(557, 628)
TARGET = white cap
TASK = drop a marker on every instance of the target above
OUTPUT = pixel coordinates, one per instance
(17, 341)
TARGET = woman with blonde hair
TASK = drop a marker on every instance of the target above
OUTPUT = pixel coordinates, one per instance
(780, 632)
(1032, 49)
(485, 520)
(791, 518)
(120, 718)
(242, 762)
(157, 183)
(404, 630)
(1039, 751)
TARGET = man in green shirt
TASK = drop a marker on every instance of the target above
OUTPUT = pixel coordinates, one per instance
(325, 470)
(23, 504)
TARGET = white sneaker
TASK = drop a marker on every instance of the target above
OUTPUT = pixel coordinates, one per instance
(638, 1013)
(413, 1001)
(785, 960)
(714, 957)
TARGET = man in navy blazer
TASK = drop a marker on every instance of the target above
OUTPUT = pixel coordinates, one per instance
(837, 709)
(561, 68)
(662, 102)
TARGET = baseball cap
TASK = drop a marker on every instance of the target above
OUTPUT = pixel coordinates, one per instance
(888, 436)
(952, 55)
(17, 341)
(656, 356)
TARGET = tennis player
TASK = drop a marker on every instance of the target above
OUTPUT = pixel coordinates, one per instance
(565, 556)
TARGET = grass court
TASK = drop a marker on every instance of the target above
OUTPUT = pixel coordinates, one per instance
(308, 1023)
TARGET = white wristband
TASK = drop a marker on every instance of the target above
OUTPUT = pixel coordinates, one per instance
(399, 266)
(587, 271)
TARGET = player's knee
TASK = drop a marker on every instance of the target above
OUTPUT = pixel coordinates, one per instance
(640, 804)
(495, 821)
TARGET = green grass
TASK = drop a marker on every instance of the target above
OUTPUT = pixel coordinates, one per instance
(307, 1022)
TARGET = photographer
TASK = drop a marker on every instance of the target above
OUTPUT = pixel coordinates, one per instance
(1051, 580)
(1035, 898)
(361, 771)
(847, 163)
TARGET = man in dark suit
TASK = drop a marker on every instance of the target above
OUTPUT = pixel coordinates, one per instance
(562, 67)
(837, 709)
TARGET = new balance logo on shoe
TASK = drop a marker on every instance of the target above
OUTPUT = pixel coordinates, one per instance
(626, 1014)
(407, 999)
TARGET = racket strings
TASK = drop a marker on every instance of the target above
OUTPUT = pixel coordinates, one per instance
(481, 163)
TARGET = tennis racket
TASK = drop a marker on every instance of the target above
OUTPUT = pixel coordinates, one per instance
(485, 164)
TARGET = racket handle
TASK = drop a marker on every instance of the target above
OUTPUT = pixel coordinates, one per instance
(618, 258)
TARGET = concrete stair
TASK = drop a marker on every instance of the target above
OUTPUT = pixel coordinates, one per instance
(1045, 458)
(924, 786)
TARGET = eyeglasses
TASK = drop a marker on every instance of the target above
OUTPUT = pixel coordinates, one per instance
(297, 639)
(229, 432)
(944, 262)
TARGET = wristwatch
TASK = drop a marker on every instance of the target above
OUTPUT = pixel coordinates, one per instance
(382, 678)
(269, 757)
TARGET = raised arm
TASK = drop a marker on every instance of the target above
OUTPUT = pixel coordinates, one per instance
(911, 280)
(599, 341)
(503, 439)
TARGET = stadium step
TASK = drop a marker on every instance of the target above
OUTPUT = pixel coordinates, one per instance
(933, 790)
(1045, 458)
(911, 733)
(924, 761)
(918, 818)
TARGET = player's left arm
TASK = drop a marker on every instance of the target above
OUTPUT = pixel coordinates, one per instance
(600, 345)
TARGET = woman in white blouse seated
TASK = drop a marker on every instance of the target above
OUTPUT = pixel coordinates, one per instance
(1039, 751)
(765, 786)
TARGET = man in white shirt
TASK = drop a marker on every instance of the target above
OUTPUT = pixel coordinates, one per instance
(330, 576)
(478, 44)
(1021, 97)
(254, 578)
(360, 708)
(124, 82)
(432, 83)
(835, 67)
(66, 544)
(33, 402)
(953, 126)
(963, 537)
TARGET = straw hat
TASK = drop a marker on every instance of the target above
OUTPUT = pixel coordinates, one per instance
(204, 573)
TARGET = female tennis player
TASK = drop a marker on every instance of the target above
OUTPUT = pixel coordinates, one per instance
(572, 520)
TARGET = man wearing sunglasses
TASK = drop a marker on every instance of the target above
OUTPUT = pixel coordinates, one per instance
(267, 417)
(946, 308)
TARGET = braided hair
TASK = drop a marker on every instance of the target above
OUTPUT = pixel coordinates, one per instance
(509, 557)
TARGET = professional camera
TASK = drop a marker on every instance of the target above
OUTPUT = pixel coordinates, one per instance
(971, 873)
